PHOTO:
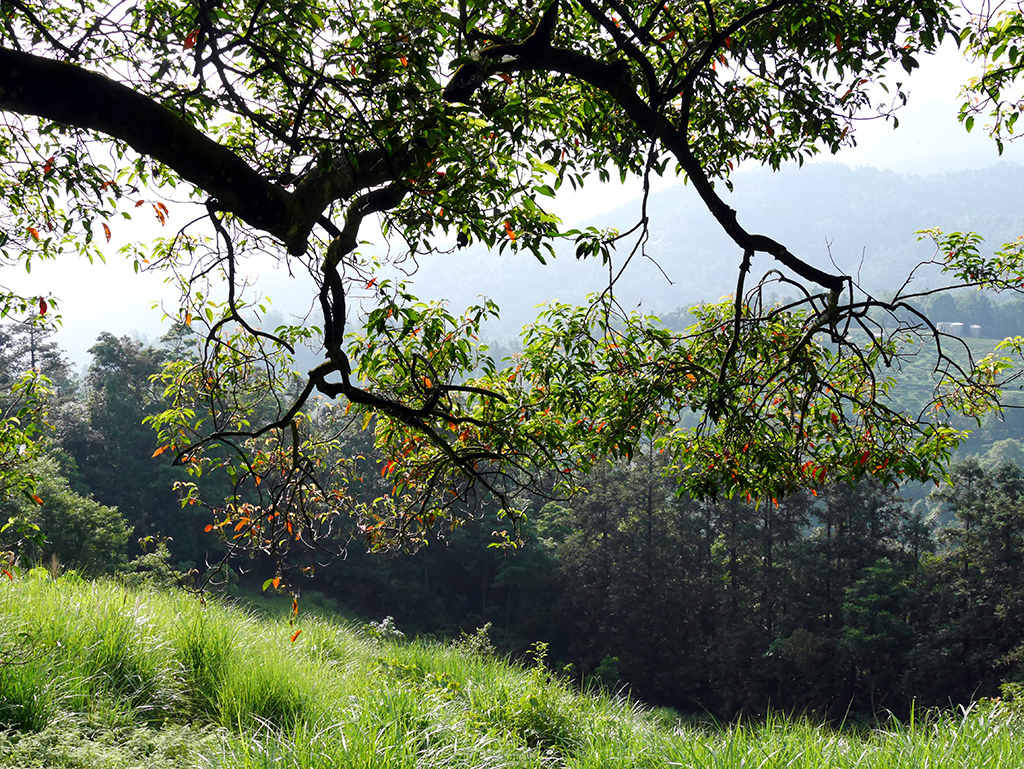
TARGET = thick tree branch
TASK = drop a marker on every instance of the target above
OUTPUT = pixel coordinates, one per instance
(68, 94)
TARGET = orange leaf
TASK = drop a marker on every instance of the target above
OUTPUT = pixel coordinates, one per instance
(296, 634)
(508, 229)
(37, 499)
(405, 61)
(139, 203)
(295, 606)
(190, 41)
(209, 527)
(665, 38)
(106, 231)
(33, 232)
(49, 165)
(161, 450)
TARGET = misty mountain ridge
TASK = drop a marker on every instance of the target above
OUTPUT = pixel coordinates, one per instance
(857, 221)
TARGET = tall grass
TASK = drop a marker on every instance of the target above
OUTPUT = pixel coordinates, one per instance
(97, 675)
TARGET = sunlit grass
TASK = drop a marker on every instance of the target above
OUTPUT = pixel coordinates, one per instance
(94, 675)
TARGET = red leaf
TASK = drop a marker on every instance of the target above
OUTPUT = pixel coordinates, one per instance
(49, 165)
(296, 634)
(665, 38)
(839, 42)
(506, 77)
(42, 306)
(106, 231)
(190, 41)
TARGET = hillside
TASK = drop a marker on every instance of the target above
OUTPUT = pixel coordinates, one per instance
(100, 676)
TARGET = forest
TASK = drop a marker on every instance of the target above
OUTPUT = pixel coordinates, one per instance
(845, 602)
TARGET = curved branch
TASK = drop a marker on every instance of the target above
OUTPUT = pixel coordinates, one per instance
(614, 79)
(68, 94)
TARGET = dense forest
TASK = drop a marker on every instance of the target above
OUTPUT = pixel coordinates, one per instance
(852, 600)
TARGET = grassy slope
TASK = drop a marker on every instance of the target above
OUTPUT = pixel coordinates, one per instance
(97, 676)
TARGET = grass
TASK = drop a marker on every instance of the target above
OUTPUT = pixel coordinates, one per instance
(97, 675)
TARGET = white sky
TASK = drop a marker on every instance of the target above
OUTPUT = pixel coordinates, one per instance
(111, 297)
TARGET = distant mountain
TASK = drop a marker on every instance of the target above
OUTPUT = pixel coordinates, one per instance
(863, 219)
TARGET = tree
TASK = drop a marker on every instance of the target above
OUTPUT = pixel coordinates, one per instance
(115, 451)
(28, 347)
(290, 122)
(76, 530)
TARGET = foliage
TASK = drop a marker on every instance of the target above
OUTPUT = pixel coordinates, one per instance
(994, 37)
(291, 123)
(21, 424)
(77, 530)
(114, 452)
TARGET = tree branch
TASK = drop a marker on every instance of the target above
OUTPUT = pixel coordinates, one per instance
(68, 94)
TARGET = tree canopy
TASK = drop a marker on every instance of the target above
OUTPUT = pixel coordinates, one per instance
(291, 123)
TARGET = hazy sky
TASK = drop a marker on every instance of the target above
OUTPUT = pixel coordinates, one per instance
(110, 297)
